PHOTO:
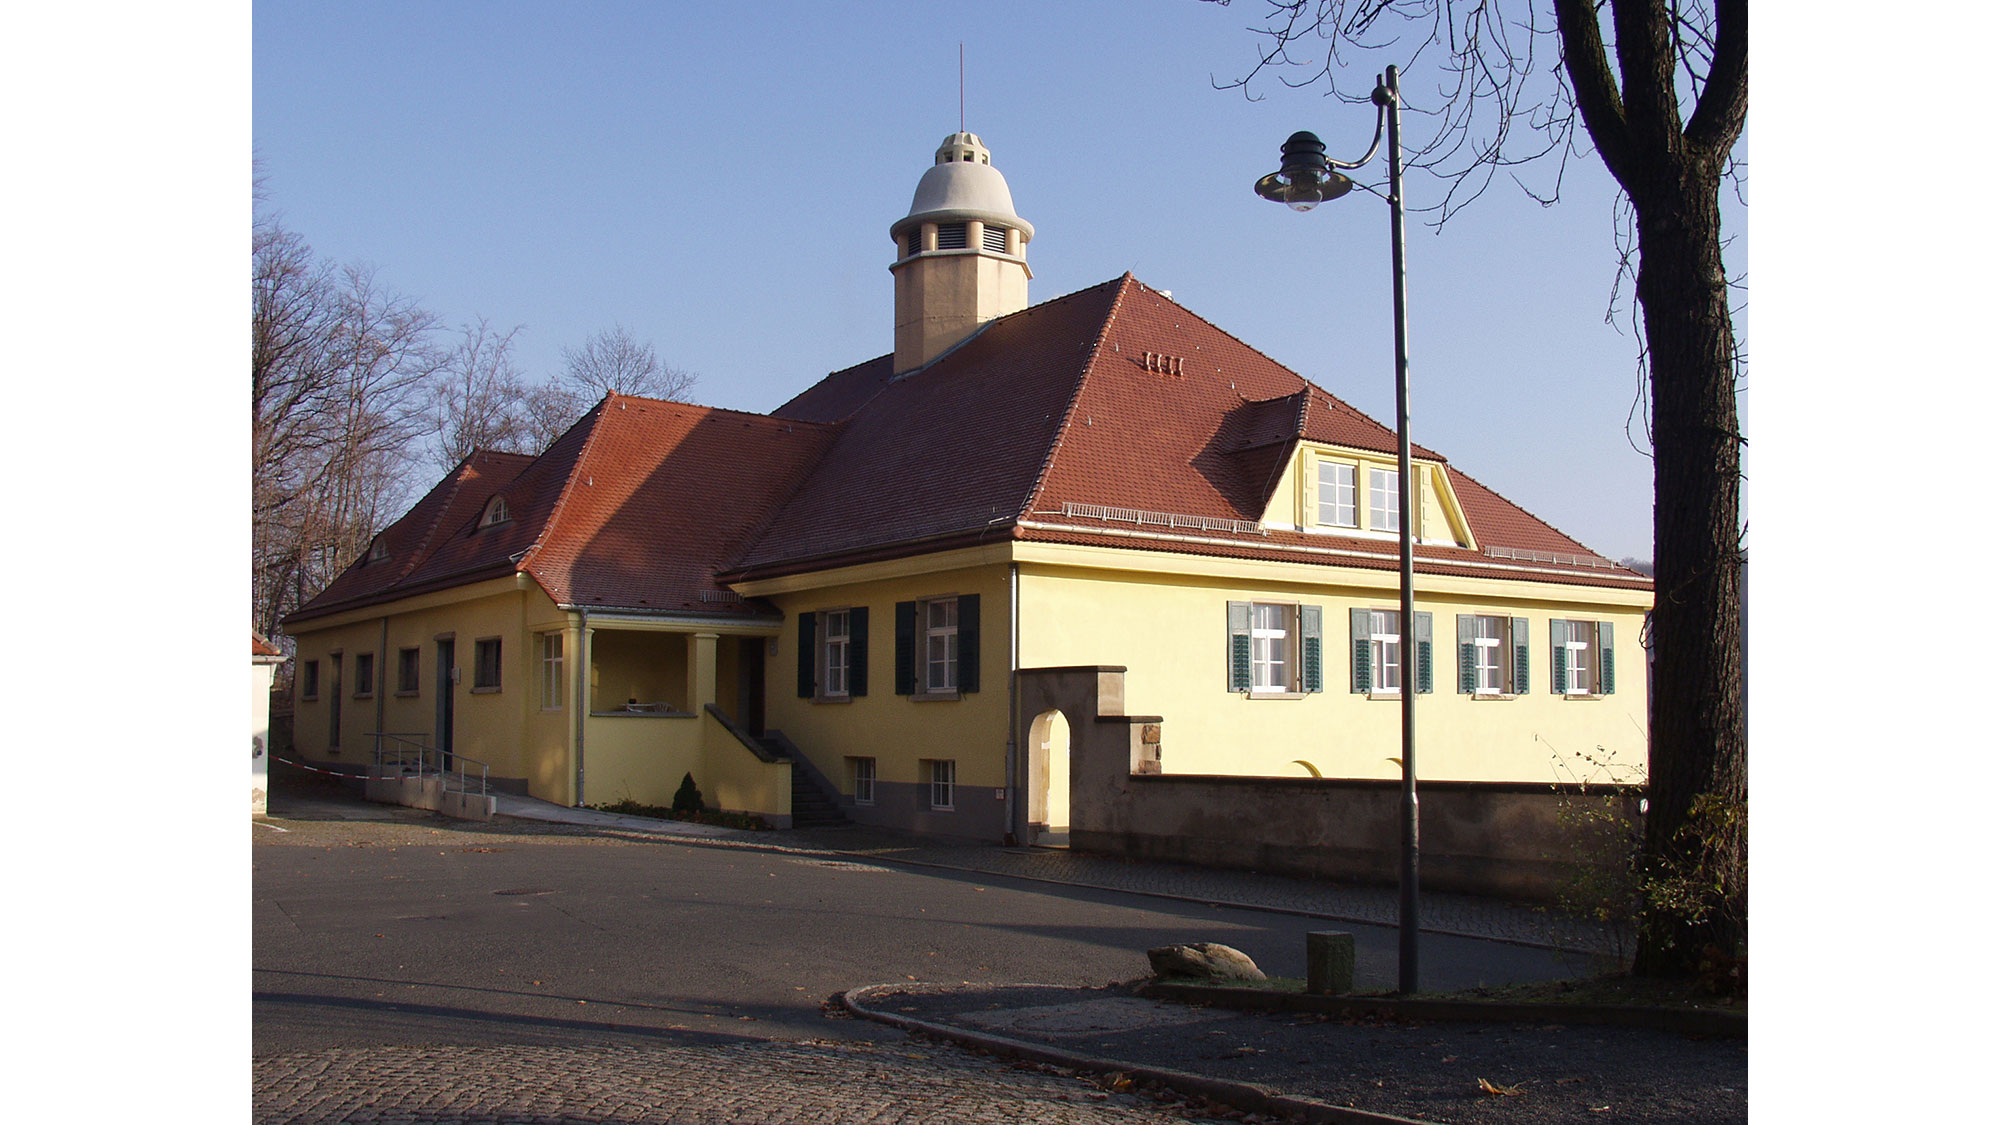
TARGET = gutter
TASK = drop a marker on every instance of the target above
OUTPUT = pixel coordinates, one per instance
(1170, 537)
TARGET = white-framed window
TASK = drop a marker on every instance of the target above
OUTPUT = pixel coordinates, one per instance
(407, 665)
(834, 652)
(1580, 657)
(364, 675)
(1382, 664)
(937, 648)
(1274, 648)
(552, 671)
(1384, 504)
(861, 772)
(1271, 646)
(1385, 651)
(944, 779)
(1336, 495)
(496, 512)
(1487, 667)
(940, 624)
(309, 680)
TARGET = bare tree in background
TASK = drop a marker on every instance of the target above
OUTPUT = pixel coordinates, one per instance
(1659, 90)
(339, 374)
(612, 360)
(477, 402)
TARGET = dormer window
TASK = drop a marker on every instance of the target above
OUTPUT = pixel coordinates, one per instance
(496, 513)
(378, 551)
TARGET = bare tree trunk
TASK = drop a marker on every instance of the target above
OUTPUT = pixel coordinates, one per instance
(1699, 734)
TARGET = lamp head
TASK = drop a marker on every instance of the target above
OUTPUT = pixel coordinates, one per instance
(1305, 178)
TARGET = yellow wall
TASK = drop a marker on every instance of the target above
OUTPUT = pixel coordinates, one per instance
(1172, 635)
(508, 729)
(898, 730)
(641, 758)
(648, 667)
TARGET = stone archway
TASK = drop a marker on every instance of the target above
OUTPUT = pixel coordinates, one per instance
(1049, 752)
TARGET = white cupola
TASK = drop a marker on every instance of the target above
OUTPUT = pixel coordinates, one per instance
(961, 254)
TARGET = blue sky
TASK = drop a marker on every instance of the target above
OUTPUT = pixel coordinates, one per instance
(721, 180)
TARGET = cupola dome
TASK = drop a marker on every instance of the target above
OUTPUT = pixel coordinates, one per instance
(961, 253)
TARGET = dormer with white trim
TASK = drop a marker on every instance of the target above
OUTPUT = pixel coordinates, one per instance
(1342, 490)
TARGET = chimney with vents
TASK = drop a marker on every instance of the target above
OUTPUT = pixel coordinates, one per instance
(961, 254)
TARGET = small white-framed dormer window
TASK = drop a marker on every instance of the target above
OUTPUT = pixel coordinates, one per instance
(378, 551)
(496, 512)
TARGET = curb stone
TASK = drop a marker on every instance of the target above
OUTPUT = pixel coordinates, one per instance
(1239, 1095)
(1691, 1021)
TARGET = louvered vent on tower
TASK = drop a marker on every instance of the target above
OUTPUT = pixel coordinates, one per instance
(951, 236)
(995, 239)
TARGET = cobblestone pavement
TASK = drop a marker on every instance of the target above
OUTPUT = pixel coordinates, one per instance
(769, 1083)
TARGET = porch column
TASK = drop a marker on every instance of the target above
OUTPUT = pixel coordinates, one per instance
(701, 670)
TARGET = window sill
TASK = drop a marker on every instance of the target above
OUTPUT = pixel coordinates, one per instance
(1275, 695)
(486, 691)
(1582, 695)
(944, 808)
(833, 699)
(407, 694)
(1390, 695)
(1493, 696)
(308, 699)
(936, 697)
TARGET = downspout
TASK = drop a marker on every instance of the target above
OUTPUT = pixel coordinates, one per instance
(582, 696)
(381, 685)
(1013, 688)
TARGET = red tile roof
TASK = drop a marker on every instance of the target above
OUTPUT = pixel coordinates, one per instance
(261, 647)
(1109, 413)
(632, 509)
(1109, 417)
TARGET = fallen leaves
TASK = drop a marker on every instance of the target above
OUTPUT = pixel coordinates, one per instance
(1496, 1088)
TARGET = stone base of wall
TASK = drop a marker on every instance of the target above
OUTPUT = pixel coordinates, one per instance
(429, 793)
(1505, 840)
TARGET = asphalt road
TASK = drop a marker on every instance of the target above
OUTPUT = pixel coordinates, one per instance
(416, 931)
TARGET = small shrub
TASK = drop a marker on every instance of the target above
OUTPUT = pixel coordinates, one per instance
(687, 799)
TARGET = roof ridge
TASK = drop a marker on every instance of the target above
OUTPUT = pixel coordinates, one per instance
(423, 544)
(1034, 493)
(569, 482)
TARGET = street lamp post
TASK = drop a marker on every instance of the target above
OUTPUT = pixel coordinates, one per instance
(1306, 179)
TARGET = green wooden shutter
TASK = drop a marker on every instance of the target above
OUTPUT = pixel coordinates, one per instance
(1357, 627)
(857, 651)
(1519, 636)
(808, 632)
(1311, 675)
(1558, 657)
(1422, 634)
(1239, 646)
(968, 643)
(1468, 656)
(906, 648)
(1605, 677)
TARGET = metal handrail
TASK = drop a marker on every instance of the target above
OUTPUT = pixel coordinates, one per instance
(405, 749)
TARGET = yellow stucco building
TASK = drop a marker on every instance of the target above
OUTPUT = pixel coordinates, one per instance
(835, 597)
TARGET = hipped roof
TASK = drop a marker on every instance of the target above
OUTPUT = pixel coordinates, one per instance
(1110, 417)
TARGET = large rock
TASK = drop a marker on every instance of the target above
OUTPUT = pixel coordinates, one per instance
(1203, 960)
